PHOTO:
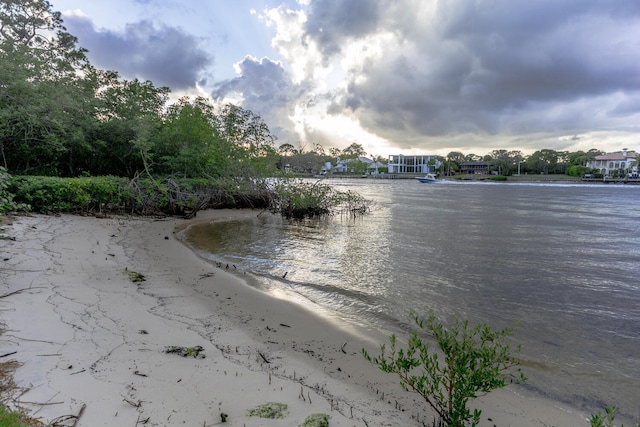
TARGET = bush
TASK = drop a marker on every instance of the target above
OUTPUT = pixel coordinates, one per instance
(476, 361)
(180, 196)
(578, 170)
(46, 193)
(7, 203)
(302, 199)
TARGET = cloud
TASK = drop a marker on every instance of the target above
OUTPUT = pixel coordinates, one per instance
(265, 88)
(336, 21)
(259, 81)
(166, 55)
(422, 73)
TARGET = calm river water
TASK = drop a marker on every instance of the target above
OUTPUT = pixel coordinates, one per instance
(561, 259)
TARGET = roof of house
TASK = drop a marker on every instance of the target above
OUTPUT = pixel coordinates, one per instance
(618, 155)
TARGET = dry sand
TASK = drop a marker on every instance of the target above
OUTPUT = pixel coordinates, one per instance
(92, 341)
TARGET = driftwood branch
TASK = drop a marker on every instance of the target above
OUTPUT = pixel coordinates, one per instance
(20, 291)
(264, 358)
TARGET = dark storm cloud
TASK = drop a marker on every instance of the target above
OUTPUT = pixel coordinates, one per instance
(260, 81)
(334, 21)
(265, 89)
(166, 55)
(487, 66)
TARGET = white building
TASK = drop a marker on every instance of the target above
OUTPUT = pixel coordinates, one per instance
(611, 163)
(413, 164)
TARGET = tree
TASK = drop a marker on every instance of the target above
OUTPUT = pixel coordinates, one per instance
(287, 149)
(577, 163)
(501, 160)
(542, 161)
(251, 141)
(32, 26)
(335, 152)
(454, 159)
(353, 151)
(477, 360)
(130, 115)
(188, 142)
(309, 162)
(319, 149)
(46, 105)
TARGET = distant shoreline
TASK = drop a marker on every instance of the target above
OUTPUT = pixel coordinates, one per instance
(550, 178)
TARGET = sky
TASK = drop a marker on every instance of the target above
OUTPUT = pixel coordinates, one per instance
(396, 76)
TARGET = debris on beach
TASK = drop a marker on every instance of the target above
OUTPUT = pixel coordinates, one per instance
(195, 351)
(271, 410)
(136, 277)
(316, 420)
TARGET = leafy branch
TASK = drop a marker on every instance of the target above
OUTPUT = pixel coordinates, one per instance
(472, 362)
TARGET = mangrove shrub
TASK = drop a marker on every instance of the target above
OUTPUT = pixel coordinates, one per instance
(473, 361)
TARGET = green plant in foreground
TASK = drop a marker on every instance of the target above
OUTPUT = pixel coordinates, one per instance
(606, 419)
(477, 360)
(269, 410)
(15, 419)
(316, 420)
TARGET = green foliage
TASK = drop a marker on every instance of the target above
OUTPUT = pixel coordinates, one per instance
(299, 199)
(497, 178)
(577, 170)
(353, 151)
(271, 410)
(44, 193)
(475, 361)
(7, 203)
(316, 420)
(12, 419)
(140, 196)
(607, 419)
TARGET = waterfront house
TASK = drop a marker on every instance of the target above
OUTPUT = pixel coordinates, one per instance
(418, 164)
(475, 168)
(353, 164)
(623, 163)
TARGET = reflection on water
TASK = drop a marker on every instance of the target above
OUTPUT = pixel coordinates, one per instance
(563, 260)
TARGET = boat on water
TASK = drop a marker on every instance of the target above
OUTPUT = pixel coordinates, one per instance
(428, 178)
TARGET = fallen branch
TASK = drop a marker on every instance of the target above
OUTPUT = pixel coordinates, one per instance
(20, 291)
(8, 354)
(61, 420)
(135, 405)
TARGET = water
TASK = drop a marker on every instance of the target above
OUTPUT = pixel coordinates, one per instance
(561, 260)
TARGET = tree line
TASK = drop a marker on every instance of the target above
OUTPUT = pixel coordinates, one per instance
(545, 161)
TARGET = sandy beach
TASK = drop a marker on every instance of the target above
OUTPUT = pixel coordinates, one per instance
(93, 341)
